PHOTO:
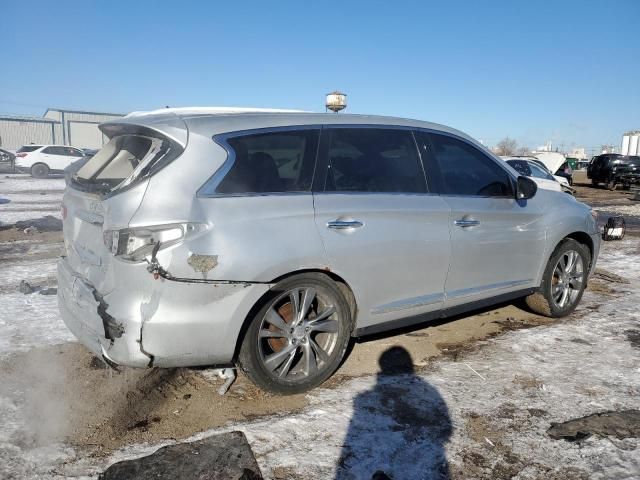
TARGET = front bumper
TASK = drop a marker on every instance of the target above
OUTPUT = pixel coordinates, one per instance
(145, 322)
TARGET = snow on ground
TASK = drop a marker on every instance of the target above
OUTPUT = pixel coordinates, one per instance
(31, 320)
(15, 183)
(632, 210)
(486, 413)
(29, 198)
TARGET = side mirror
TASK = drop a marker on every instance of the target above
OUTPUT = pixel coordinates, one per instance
(526, 188)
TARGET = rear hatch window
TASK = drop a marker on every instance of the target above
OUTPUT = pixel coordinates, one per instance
(28, 148)
(124, 161)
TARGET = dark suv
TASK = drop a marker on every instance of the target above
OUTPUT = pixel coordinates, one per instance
(629, 174)
(603, 168)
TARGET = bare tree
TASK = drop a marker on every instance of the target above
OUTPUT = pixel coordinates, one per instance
(506, 146)
(524, 151)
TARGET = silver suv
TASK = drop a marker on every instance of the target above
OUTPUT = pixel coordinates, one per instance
(268, 240)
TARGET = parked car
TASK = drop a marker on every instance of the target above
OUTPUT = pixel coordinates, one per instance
(603, 168)
(89, 152)
(7, 159)
(562, 180)
(269, 240)
(557, 164)
(40, 160)
(537, 173)
(628, 174)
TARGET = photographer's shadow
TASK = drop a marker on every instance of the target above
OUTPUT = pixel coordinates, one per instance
(399, 427)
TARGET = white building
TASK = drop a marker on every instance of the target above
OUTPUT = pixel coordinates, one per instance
(631, 143)
(56, 126)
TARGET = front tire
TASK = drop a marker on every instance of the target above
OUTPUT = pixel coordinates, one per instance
(563, 281)
(40, 170)
(298, 338)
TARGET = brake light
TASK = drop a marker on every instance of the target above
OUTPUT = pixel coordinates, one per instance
(21, 155)
(64, 211)
(134, 244)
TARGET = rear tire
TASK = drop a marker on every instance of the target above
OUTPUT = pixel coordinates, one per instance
(563, 281)
(40, 170)
(299, 337)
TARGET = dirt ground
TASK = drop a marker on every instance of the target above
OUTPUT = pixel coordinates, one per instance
(104, 410)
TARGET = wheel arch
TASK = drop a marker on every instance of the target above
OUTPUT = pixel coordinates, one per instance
(583, 238)
(342, 284)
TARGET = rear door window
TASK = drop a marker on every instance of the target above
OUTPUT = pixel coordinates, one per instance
(466, 171)
(373, 160)
(55, 151)
(273, 162)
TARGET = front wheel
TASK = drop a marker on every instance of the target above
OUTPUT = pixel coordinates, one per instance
(563, 282)
(611, 184)
(299, 336)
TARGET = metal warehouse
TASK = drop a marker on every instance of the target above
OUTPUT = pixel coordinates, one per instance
(57, 127)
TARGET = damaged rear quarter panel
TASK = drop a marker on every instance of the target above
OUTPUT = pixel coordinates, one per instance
(176, 323)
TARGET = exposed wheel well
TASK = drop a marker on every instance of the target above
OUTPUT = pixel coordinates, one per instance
(342, 285)
(583, 238)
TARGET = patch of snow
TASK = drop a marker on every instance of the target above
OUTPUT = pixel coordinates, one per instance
(401, 424)
(19, 182)
(632, 210)
(407, 425)
(30, 198)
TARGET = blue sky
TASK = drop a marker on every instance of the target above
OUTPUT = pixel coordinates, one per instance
(568, 71)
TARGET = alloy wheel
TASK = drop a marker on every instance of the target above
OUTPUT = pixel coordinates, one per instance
(298, 334)
(566, 283)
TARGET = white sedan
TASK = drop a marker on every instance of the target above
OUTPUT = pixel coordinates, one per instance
(42, 159)
(542, 177)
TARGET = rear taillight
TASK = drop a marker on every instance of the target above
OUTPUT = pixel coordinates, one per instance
(134, 244)
(64, 212)
(21, 155)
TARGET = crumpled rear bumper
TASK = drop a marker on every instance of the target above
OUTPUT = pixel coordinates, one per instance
(145, 322)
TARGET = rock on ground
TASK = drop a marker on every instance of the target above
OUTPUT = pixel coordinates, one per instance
(227, 456)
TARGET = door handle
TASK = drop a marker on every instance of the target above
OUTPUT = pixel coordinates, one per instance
(344, 224)
(466, 223)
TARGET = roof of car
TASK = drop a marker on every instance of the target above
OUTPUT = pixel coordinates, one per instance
(217, 120)
(186, 111)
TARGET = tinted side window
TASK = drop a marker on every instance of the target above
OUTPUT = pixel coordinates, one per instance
(72, 152)
(373, 160)
(521, 167)
(465, 170)
(271, 163)
(55, 150)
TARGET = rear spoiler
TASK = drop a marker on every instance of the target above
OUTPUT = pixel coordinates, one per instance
(171, 127)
